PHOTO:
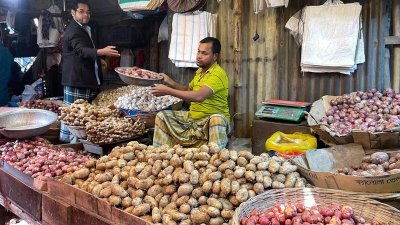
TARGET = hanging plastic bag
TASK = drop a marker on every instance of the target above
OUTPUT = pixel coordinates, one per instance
(290, 143)
(33, 91)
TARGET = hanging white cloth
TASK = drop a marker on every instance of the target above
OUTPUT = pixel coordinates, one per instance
(187, 31)
(54, 33)
(331, 37)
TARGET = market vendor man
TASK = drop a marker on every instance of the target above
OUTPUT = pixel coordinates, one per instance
(208, 117)
(81, 68)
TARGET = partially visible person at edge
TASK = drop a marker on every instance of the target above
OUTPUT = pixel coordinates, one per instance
(208, 117)
(81, 69)
(6, 60)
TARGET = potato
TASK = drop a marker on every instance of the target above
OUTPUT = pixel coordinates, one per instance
(116, 178)
(193, 202)
(263, 165)
(185, 189)
(107, 176)
(199, 164)
(154, 190)
(145, 173)
(184, 208)
(137, 201)
(258, 188)
(188, 166)
(217, 221)
(81, 173)
(291, 179)
(176, 161)
(226, 204)
(124, 175)
(241, 161)
(216, 189)
(126, 202)
(279, 177)
(183, 178)
(287, 168)
(235, 186)
(69, 179)
(202, 156)
(234, 200)
(227, 214)
(273, 166)
(199, 217)
(197, 192)
(215, 176)
(213, 212)
(178, 216)
(204, 148)
(182, 200)
(194, 177)
(242, 195)
(164, 201)
(226, 165)
(250, 176)
(166, 180)
(105, 193)
(203, 200)
(169, 190)
(121, 163)
(277, 185)
(224, 155)
(111, 164)
(239, 172)
(300, 183)
(247, 155)
(151, 201)
(96, 190)
(128, 156)
(114, 200)
(141, 210)
(251, 167)
(156, 169)
(207, 187)
(215, 203)
(90, 163)
(158, 197)
(144, 184)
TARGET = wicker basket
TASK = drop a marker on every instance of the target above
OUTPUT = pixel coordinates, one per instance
(77, 131)
(365, 207)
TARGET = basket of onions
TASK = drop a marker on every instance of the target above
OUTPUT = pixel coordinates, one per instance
(294, 206)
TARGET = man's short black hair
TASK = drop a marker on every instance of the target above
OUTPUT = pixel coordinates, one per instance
(216, 45)
(75, 4)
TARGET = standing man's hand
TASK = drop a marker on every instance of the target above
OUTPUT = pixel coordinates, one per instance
(160, 90)
(108, 51)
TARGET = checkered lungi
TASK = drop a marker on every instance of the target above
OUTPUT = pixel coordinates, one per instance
(176, 127)
(70, 95)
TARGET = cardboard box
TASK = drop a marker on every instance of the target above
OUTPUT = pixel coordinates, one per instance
(319, 167)
(263, 129)
(379, 140)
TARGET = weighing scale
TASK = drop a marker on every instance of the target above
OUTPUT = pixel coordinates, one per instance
(283, 110)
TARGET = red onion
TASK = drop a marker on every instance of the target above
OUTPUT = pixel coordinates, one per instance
(357, 99)
(372, 90)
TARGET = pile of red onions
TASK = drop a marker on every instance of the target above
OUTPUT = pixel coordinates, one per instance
(371, 111)
(297, 214)
(39, 158)
(40, 104)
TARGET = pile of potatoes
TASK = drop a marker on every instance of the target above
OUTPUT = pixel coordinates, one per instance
(81, 112)
(114, 129)
(377, 164)
(108, 97)
(166, 185)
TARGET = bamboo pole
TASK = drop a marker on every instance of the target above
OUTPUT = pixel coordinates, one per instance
(237, 80)
(396, 48)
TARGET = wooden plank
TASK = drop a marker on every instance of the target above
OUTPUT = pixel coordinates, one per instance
(55, 212)
(392, 40)
(81, 217)
(123, 218)
(86, 201)
(61, 190)
(104, 209)
(16, 210)
(25, 196)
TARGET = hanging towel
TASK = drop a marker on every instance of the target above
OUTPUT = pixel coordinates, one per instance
(187, 31)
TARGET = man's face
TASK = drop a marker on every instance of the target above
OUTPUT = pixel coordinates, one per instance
(81, 14)
(205, 56)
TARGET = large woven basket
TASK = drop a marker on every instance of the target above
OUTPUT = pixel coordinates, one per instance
(365, 207)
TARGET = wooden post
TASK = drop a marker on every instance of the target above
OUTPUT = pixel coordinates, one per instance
(237, 80)
(396, 47)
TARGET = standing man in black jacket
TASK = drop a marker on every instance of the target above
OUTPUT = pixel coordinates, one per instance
(81, 69)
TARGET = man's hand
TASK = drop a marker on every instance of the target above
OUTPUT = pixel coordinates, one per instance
(166, 78)
(160, 90)
(108, 51)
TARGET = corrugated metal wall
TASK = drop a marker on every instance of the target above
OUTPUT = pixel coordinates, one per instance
(271, 65)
